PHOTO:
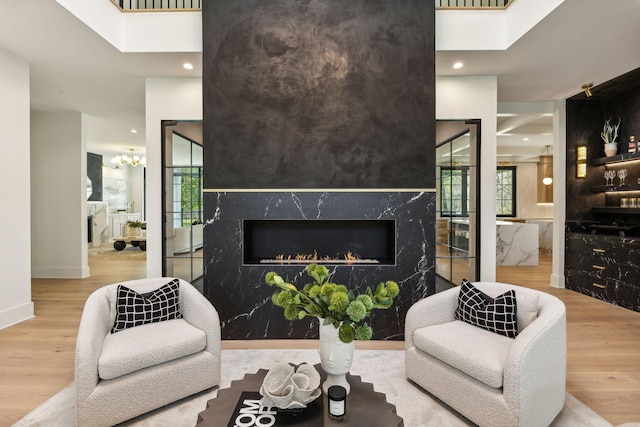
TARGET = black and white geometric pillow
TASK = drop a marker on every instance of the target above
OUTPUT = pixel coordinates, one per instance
(134, 309)
(493, 314)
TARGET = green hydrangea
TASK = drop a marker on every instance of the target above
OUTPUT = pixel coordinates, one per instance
(346, 333)
(291, 312)
(363, 332)
(327, 289)
(332, 302)
(339, 301)
(366, 300)
(392, 289)
(281, 299)
(342, 288)
(314, 291)
(356, 311)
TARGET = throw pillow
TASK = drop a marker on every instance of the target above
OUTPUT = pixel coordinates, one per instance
(493, 314)
(134, 309)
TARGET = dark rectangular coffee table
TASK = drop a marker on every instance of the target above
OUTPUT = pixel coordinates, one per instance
(365, 407)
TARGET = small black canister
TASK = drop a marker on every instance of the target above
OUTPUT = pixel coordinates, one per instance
(337, 397)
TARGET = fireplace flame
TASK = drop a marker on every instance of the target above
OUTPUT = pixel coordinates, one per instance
(349, 258)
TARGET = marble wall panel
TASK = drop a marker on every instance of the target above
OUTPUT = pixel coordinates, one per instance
(243, 299)
(99, 212)
(610, 272)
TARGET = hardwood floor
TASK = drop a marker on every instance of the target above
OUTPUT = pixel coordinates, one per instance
(603, 346)
(37, 356)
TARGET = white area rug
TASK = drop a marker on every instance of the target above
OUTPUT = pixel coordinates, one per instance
(383, 368)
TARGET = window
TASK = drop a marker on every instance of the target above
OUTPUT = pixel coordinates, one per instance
(187, 193)
(505, 191)
(454, 191)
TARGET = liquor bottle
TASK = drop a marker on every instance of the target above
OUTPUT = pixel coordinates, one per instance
(632, 144)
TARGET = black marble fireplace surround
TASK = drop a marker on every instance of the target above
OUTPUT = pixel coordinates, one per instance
(317, 110)
(243, 299)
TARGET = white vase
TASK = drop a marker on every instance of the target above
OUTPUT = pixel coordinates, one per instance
(335, 357)
(610, 149)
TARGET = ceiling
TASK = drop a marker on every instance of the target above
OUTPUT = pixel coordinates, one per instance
(74, 69)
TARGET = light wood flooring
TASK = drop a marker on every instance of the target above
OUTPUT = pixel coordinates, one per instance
(37, 356)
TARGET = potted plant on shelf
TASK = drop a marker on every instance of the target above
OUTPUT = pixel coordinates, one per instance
(342, 315)
(609, 135)
(134, 227)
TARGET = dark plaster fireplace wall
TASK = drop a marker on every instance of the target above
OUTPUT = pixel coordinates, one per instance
(317, 109)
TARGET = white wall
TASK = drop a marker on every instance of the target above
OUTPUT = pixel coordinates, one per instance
(475, 97)
(58, 195)
(15, 252)
(166, 99)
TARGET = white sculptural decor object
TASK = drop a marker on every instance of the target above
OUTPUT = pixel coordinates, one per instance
(286, 387)
(335, 357)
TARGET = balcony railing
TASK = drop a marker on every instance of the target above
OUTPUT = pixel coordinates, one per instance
(157, 5)
(473, 4)
(152, 5)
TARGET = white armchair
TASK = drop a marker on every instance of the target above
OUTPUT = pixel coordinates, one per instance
(490, 379)
(122, 375)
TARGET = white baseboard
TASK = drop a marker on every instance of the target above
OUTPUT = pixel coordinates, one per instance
(557, 281)
(16, 315)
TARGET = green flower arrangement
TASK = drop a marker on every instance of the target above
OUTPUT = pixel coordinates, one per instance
(334, 303)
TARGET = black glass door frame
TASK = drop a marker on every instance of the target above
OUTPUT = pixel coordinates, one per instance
(458, 164)
(182, 203)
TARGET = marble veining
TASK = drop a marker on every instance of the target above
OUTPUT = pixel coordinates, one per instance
(99, 223)
(242, 297)
(604, 267)
(516, 244)
(545, 229)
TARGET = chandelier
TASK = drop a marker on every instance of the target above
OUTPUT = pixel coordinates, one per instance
(132, 160)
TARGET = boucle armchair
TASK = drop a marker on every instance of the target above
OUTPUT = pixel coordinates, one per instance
(128, 373)
(490, 379)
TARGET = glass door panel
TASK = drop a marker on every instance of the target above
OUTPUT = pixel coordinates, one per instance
(183, 225)
(457, 201)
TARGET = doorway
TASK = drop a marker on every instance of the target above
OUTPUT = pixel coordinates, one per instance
(457, 201)
(182, 232)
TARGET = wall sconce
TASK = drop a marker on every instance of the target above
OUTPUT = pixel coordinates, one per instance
(581, 161)
(587, 89)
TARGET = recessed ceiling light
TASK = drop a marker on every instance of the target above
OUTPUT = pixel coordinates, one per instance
(134, 131)
(458, 65)
(187, 66)
(525, 139)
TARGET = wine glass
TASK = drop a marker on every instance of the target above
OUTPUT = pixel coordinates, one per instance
(622, 174)
(608, 176)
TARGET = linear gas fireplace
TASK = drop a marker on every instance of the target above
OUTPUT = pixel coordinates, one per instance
(336, 241)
